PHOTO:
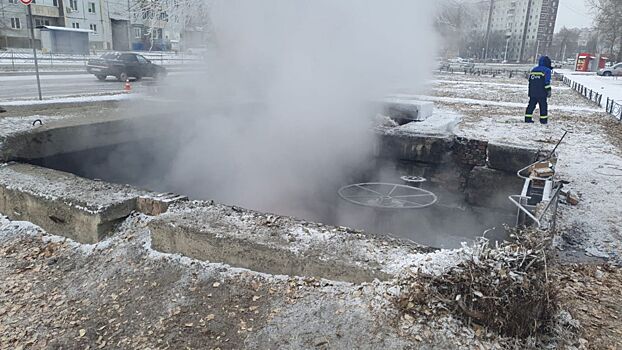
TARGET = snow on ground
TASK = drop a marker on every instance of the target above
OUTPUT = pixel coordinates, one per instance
(588, 158)
(76, 99)
(471, 101)
(13, 125)
(610, 87)
(500, 91)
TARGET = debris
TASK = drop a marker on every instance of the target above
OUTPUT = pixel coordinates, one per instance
(506, 289)
(572, 199)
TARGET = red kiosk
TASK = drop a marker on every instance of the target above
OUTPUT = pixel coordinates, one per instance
(586, 62)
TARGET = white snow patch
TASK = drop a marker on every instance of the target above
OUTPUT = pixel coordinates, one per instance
(78, 99)
(491, 103)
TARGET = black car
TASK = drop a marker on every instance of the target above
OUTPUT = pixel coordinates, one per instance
(123, 66)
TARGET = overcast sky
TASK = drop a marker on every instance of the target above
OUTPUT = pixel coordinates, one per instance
(573, 13)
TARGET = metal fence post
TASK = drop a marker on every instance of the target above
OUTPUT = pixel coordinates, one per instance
(12, 60)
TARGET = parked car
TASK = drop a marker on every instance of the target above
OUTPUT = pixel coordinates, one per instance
(468, 63)
(557, 64)
(615, 70)
(123, 66)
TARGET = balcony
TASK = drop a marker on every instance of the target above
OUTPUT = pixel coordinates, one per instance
(45, 11)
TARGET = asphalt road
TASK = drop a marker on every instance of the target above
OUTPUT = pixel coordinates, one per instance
(25, 87)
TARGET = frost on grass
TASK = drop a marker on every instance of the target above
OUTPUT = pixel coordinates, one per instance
(506, 289)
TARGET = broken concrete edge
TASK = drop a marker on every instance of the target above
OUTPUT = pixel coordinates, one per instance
(438, 149)
(511, 158)
(88, 211)
(282, 245)
(65, 204)
(73, 134)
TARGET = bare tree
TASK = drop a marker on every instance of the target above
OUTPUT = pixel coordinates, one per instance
(174, 15)
(565, 43)
(459, 23)
(608, 21)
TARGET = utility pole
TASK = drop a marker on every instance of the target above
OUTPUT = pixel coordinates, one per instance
(129, 26)
(507, 43)
(525, 27)
(488, 25)
(32, 43)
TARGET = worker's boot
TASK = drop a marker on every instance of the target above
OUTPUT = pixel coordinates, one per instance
(528, 119)
(544, 119)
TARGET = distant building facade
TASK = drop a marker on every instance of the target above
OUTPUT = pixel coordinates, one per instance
(527, 26)
(112, 24)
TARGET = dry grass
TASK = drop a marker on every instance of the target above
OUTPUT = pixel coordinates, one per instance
(506, 289)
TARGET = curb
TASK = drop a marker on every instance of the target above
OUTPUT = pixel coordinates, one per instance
(74, 72)
(13, 74)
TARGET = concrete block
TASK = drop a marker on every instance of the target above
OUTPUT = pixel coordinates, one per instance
(419, 148)
(267, 243)
(470, 151)
(73, 135)
(157, 204)
(510, 158)
(62, 203)
(490, 188)
(404, 111)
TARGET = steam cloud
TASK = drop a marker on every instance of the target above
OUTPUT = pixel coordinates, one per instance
(284, 112)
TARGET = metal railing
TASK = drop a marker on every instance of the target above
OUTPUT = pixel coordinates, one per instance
(584, 91)
(612, 107)
(546, 219)
(483, 71)
(16, 58)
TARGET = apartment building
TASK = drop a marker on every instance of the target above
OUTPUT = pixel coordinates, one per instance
(527, 25)
(112, 24)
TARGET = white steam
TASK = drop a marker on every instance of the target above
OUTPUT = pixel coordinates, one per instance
(296, 79)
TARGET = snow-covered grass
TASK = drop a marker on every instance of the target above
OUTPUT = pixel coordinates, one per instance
(587, 157)
(609, 87)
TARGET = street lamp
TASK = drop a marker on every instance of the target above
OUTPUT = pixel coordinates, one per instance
(507, 43)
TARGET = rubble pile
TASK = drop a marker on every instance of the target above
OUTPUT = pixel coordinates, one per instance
(505, 288)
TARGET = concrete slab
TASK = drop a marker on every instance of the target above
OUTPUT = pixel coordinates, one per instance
(404, 111)
(62, 203)
(434, 149)
(276, 244)
(490, 188)
(510, 158)
(63, 135)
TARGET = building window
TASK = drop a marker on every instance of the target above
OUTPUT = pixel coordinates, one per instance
(73, 4)
(13, 1)
(75, 25)
(41, 22)
(15, 23)
(55, 3)
(91, 7)
(93, 27)
(137, 33)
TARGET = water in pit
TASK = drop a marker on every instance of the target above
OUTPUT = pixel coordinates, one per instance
(445, 224)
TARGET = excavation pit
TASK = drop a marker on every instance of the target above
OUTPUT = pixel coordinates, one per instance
(470, 178)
